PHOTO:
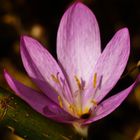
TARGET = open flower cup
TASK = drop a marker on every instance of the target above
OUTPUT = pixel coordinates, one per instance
(72, 90)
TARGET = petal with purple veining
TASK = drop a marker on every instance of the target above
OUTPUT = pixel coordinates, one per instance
(78, 43)
(109, 105)
(38, 101)
(109, 66)
(43, 69)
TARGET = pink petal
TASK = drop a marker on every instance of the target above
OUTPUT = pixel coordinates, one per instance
(110, 104)
(38, 101)
(42, 67)
(110, 65)
(78, 43)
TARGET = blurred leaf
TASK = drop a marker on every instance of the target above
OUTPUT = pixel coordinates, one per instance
(29, 124)
(117, 136)
(137, 136)
(137, 95)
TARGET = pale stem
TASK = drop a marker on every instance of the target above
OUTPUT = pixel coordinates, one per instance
(82, 130)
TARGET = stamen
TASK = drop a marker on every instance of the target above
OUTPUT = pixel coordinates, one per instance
(95, 80)
(94, 102)
(60, 101)
(55, 79)
(86, 110)
(78, 83)
(79, 111)
(71, 107)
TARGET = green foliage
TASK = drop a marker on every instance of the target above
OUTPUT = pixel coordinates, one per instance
(29, 124)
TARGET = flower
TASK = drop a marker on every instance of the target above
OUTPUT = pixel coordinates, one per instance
(73, 89)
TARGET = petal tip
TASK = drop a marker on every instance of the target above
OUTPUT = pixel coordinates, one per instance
(82, 5)
(26, 42)
(7, 78)
(124, 31)
(4, 70)
(6, 74)
(25, 38)
(78, 5)
(78, 2)
(123, 34)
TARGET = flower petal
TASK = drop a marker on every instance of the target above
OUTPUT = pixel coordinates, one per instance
(38, 101)
(110, 104)
(78, 43)
(110, 66)
(43, 69)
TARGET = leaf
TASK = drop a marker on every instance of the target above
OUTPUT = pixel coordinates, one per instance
(29, 124)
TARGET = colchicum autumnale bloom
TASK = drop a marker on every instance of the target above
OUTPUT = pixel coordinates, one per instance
(72, 90)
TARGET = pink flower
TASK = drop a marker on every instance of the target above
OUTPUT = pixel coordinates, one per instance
(73, 89)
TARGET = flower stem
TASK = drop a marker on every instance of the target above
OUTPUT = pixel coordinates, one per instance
(82, 130)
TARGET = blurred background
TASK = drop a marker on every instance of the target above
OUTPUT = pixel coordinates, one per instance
(40, 19)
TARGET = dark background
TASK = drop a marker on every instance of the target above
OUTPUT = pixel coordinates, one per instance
(40, 19)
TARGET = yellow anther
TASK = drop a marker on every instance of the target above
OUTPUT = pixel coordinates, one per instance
(86, 110)
(60, 101)
(71, 107)
(95, 80)
(94, 102)
(79, 111)
(55, 79)
(78, 82)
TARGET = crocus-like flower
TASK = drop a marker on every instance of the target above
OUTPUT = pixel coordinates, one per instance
(72, 90)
